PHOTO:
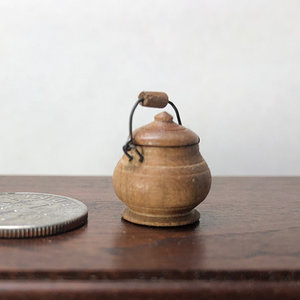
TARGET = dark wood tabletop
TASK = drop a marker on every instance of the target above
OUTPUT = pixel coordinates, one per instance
(246, 246)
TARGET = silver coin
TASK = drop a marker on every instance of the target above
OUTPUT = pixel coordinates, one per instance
(26, 215)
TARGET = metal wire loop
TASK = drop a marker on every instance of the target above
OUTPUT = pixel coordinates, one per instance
(130, 144)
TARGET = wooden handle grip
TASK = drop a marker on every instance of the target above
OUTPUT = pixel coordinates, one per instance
(154, 99)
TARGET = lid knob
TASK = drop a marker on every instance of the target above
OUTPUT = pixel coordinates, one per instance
(164, 117)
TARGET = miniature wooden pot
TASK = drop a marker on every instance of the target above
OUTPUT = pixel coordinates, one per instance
(162, 175)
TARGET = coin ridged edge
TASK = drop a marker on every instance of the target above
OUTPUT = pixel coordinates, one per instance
(43, 231)
(46, 230)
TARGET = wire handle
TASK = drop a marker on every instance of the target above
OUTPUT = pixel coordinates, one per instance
(150, 99)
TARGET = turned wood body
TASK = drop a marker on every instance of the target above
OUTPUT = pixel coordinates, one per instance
(172, 179)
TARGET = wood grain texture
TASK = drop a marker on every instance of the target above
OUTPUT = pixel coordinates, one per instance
(165, 187)
(164, 132)
(172, 179)
(247, 243)
(154, 99)
(134, 290)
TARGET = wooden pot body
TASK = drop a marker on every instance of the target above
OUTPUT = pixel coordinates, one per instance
(164, 188)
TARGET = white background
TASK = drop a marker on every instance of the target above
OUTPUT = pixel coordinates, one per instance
(70, 71)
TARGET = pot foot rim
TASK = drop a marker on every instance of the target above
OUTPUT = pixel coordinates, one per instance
(161, 221)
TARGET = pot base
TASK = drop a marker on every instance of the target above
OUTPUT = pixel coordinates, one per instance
(161, 221)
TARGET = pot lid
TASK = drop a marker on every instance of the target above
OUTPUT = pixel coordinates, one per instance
(163, 132)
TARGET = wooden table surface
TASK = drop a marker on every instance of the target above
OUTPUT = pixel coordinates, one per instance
(246, 246)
